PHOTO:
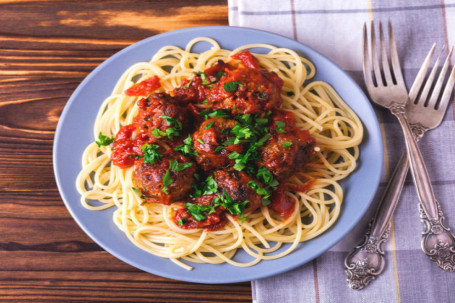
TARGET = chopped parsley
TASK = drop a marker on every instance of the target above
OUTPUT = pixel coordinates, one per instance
(182, 221)
(207, 187)
(203, 77)
(151, 153)
(171, 131)
(232, 86)
(198, 211)
(219, 148)
(200, 141)
(166, 181)
(175, 166)
(221, 113)
(220, 74)
(287, 144)
(209, 125)
(252, 130)
(265, 176)
(280, 127)
(158, 132)
(104, 140)
(188, 84)
(251, 155)
(264, 192)
(239, 165)
(227, 202)
(137, 191)
(187, 148)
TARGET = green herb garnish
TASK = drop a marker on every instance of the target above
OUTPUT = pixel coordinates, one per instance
(175, 166)
(188, 84)
(203, 77)
(104, 140)
(280, 127)
(166, 181)
(264, 192)
(265, 176)
(232, 86)
(187, 148)
(171, 131)
(137, 191)
(182, 221)
(151, 153)
(207, 187)
(198, 211)
(221, 113)
(158, 132)
(209, 125)
(227, 202)
(287, 144)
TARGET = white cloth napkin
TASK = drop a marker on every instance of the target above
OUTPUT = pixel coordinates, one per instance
(334, 28)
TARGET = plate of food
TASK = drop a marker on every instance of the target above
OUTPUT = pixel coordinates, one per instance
(217, 154)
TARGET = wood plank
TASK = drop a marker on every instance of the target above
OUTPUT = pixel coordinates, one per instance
(46, 50)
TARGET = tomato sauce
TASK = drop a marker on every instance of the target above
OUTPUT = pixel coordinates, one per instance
(239, 87)
(281, 203)
(145, 87)
(127, 145)
(247, 59)
(212, 222)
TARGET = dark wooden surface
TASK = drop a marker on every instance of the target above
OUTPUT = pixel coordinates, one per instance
(46, 49)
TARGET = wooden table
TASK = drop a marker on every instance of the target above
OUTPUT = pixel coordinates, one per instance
(46, 49)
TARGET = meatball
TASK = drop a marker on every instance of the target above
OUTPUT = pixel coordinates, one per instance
(162, 112)
(191, 91)
(213, 220)
(208, 142)
(198, 89)
(149, 178)
(284, 154)
(247, 91)
(235, 183)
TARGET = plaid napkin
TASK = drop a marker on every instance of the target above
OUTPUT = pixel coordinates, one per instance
(334, 28)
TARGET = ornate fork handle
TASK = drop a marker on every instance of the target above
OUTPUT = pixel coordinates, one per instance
(367, 260)
(438, 242)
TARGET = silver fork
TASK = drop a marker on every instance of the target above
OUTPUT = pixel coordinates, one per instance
(367, 260)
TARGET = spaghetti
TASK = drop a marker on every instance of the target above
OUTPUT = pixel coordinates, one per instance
(314, 190)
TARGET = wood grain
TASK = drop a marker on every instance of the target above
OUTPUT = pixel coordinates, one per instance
(46, 49)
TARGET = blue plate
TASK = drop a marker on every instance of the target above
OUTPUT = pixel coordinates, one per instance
(74, 133)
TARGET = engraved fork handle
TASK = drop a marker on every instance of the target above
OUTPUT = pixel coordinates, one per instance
(438, 242)
(418, 169)
(367, 260)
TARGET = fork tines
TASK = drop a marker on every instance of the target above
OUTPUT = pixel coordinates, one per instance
(436, 88)
(386, 76)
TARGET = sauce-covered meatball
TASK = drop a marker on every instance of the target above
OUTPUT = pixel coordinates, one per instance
(199, 87)
(208, 142)
(210, 221)
(161, 112)
(288, 149)
(235, 183)
(159, 182)
(247, 91)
